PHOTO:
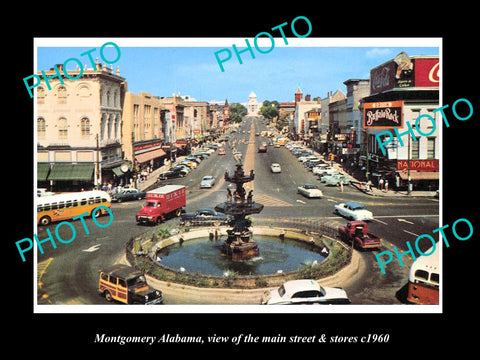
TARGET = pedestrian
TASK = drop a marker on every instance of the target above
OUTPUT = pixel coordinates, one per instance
(210, 234)
(380, 184)
(386, 185)
(282, 235)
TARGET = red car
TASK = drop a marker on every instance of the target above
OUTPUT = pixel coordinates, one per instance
(221, 152)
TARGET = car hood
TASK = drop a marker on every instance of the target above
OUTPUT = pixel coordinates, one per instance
(147, 210)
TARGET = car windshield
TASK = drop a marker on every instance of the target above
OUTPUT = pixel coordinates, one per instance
(281, 290)
(151, 204)
(137, 281)
(310, 186)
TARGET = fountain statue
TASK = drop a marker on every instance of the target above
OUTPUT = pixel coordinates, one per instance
(239, 244)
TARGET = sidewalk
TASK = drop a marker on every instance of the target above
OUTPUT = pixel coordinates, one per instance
(152, 177)
(361, 185)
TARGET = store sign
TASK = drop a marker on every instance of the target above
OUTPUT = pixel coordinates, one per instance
(427, 72)
(381, 115)
(402, 72)
(431, 165)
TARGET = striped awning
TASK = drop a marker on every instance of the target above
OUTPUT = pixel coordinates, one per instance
(82, 172)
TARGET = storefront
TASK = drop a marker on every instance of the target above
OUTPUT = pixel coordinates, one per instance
(402, 90)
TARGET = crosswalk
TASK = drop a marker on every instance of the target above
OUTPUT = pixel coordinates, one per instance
(269, 200)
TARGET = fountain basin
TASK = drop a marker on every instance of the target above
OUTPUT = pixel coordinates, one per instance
(197, 253)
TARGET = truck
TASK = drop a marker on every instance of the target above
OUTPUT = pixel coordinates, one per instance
(161, 203)
(357, 232)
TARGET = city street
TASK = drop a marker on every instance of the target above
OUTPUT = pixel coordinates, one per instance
(69, 273)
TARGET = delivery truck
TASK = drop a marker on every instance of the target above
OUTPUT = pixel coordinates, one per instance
(162, 203)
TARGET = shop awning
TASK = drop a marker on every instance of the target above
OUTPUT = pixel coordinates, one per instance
(146, 156)
(419, 175)
(42, 171)
(72, 172)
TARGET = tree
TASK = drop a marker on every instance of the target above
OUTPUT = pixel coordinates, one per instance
(237, 112)
(269, 109)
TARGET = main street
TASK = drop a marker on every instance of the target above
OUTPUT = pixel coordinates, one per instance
(69, 273)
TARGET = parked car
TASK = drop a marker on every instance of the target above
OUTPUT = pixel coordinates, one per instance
(275, 168)
(207, 182)
(353, 211)
(337, 179)
(171, 174)
(321, 168)
(304, 292)
(204, 216)
(310, 191)
(304, 159)
(328, 175)
(221, 151)
(182, 168)
(128, 194)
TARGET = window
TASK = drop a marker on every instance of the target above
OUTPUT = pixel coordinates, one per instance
(415, 145)
(307, 294)
(41, 128)
(62, 128)
(104, 276)
(431, 148)
(421, 275)
(113, 279)
(85, 126)
(122, 283)
(435, 278)
(62, 95)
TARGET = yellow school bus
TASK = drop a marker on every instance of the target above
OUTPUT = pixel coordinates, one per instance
(66, 206)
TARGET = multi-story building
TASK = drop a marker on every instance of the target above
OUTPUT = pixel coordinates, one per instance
(79, 128)
(143, 130)
(401, 90)
(302, 106)
(356, 90)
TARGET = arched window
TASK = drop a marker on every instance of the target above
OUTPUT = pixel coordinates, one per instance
(41, 128)
(62, 95)
(62, 128)
(85, 126)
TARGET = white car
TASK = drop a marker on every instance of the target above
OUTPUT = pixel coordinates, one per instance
(275, 168)
(307, 157)
(305, 291)
(353, 211)
(321, 168)
(310, 191)
(207, 182)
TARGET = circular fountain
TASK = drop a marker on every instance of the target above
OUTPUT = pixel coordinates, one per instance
(272, 254)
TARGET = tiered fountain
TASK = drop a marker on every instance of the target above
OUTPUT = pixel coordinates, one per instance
(239, 244)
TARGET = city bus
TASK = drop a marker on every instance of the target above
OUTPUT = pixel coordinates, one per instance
(424, 279)
(66, 206)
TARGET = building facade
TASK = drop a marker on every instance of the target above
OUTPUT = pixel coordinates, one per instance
(79, 128)
(401, 90)
(252, 105)
(143, 130)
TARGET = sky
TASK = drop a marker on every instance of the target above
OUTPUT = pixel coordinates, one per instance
(163, 67)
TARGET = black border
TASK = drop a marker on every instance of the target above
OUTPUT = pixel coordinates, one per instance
(61, 334)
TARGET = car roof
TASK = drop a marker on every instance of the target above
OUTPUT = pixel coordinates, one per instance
(293, 286)
(123, 271)
(354, 205)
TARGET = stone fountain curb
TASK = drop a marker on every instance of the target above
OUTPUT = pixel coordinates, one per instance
(187, 294)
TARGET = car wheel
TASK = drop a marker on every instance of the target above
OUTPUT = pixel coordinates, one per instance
(108, 296)
(45, 220)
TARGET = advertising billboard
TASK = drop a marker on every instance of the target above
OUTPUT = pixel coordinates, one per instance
(382, 115)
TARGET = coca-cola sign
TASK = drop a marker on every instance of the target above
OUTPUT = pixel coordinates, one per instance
(427, 72)
(380, 115)
(382, 78)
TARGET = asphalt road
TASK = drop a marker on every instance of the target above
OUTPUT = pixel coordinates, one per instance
(68, 274)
